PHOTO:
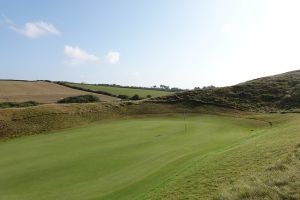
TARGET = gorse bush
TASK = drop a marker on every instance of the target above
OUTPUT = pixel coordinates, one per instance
(79, 99)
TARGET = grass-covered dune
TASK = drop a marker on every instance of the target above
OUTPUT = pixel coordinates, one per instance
(162, 157)
(264, 94)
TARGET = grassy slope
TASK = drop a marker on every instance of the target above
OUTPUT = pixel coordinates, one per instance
(39, 91)
(148, 158)
(124, 159)
(268, 93)
(121, 91)
(208, 176)
(39, 119)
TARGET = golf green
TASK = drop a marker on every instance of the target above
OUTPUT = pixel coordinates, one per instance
(120, 159)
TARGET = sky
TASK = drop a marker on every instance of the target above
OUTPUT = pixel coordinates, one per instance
(180, 43)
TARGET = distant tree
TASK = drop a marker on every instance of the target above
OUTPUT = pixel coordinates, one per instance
(208, 87)
(175, 89)
(165, 87)
(135, 97)
(197, 88)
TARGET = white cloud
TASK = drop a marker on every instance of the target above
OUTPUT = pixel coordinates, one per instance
(33, 30)
(113, 57)
(78, 56)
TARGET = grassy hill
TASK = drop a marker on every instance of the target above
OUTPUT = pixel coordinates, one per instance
(39, 91)
(115, 90)
(268, 93)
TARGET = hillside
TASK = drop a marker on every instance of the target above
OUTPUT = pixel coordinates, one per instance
(268, 93)
(39, 91)
(115, 90)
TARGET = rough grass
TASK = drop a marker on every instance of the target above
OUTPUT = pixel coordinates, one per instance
(39, 91)
(121, 91)
(278, 181)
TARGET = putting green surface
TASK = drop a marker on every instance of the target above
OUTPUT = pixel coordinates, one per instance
(148, 158)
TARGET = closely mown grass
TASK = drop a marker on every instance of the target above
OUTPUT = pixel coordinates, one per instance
(277, 182)
(139, 158)
(120, 159)
(156, 158)
(18, 104)
(204, 178)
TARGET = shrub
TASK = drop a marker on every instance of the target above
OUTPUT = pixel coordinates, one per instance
(148, 96)
(135, 97)
(18, 104)
(123, 96)
(79, 99)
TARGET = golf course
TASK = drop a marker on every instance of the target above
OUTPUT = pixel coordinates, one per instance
(150, 100)
(153, 157)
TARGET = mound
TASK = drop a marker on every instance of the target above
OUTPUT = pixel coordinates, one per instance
(268, 93)
(39, 91)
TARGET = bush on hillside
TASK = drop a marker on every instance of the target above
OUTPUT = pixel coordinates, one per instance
(135, 97)
(18, 104)
(80, 99)
(123, 96)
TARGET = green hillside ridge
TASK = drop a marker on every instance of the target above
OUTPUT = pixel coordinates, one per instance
(264, 94)
(115, 90)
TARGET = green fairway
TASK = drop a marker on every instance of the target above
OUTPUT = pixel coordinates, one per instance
(148, 158)
(121, 91)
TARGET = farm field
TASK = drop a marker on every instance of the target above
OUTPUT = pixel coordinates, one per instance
(121, 91)
(162, 157)
(39, 91)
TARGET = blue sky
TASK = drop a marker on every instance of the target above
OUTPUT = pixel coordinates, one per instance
(181, 43)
